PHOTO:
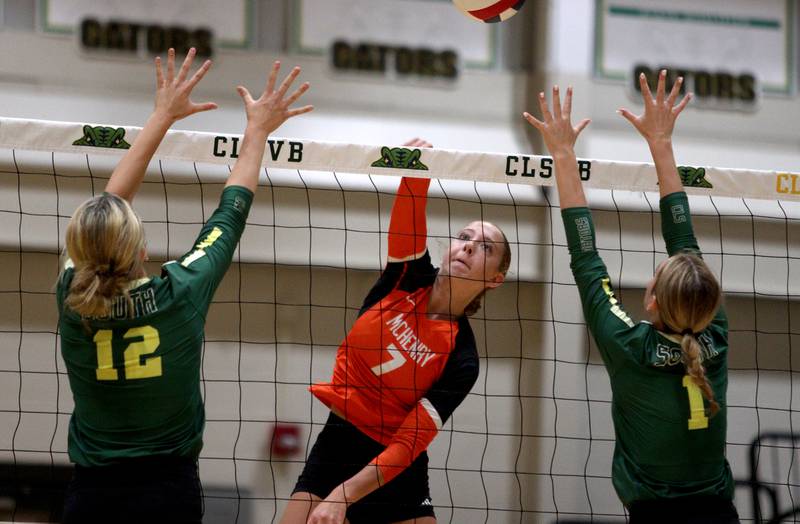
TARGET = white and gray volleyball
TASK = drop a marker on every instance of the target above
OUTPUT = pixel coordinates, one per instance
(489, 10)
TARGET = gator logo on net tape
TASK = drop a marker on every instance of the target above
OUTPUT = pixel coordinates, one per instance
(102, 136)
(400, 158)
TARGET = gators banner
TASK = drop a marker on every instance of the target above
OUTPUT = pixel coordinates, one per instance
(306, 155)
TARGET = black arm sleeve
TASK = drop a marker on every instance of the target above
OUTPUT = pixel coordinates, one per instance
(459, 374)
(407, 276)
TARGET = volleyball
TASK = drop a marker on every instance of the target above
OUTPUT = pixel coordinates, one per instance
(489, 10)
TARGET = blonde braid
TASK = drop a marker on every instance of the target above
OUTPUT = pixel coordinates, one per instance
(694, 368)
(688, 296)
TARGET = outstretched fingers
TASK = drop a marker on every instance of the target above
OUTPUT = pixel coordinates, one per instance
(532, 120)
(582, 125)
(170, 65)
(676, 89)
(661, 87)
(159, 73)
(199, 74)
(298, 93)
(245, 94)
(287, 82)
(187, 64)
(630, 117)
(299, 111)
(647, 96)
(556, 103)
(205, 106)
(273, 76)
(568, 102)
(417, 142)
(680, 107)
(546, 115)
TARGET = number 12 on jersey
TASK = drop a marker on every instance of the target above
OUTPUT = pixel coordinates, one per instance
(135, 366)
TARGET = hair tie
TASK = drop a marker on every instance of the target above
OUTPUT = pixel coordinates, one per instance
(687, 331)
(105, 270)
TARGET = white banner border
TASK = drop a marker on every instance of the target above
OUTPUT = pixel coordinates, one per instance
(308, 155)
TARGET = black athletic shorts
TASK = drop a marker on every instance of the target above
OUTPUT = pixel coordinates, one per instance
(341, 451)
(148, 489)
(685, 510)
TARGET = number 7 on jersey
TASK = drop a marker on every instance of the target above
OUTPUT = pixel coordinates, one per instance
(397, 360)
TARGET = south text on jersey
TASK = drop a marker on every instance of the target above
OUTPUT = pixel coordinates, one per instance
(144, 303)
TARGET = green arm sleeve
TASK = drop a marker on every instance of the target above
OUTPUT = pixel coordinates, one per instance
(605, 317)
(676, 227)
(204, 266)
(676, 224)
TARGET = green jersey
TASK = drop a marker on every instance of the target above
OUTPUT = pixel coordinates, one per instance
(135, 375)
(666, 446)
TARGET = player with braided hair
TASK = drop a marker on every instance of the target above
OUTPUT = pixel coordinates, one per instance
(669, 460)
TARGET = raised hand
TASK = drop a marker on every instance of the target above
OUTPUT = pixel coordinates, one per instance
(658, 120)
(264, 115)
(417, 142)
(271, 109)
(557, 130)
(172, 104)
(172, 93)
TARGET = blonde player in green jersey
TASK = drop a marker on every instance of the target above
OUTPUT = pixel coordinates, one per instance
(131, 342)
(668, 376)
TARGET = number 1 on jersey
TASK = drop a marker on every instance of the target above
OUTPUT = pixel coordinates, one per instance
(105, 358)
(697, 411)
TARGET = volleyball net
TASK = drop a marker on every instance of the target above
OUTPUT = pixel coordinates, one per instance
(533, 440)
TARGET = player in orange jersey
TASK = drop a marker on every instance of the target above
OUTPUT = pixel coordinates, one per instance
(408, 361)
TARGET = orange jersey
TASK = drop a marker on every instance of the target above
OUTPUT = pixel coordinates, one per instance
(400, 375)
(391, 357)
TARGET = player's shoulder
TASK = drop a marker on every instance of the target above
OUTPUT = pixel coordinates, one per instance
(639, 345)
(465, 330)
(465, 348)
(176, 277)
(64, 279)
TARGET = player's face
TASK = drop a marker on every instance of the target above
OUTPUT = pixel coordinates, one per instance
(475, 254)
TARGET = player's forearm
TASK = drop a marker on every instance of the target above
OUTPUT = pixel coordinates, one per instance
(358, 486)
(676, 224)
(664, 158)
(129, 173)
(248, 165)
(570, 190)
(408, 228)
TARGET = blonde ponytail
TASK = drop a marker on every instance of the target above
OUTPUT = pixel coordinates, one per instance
(688, 296)
(105, 241)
